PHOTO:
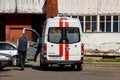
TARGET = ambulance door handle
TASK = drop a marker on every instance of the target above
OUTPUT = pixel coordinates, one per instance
(67, 48)
(51, 45)
(75, 45)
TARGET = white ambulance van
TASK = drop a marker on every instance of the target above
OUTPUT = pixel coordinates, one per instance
(62, 43)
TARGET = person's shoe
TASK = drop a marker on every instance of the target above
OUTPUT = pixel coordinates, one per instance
(22, 69)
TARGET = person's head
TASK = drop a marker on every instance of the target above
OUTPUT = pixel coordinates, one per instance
(23, 35)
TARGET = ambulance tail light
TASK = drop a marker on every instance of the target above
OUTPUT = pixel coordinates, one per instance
(45, 49)
(82, 49)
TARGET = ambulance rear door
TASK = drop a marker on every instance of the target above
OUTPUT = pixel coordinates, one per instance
(64, 43)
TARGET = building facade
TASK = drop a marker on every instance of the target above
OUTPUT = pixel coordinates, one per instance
(18, 14)
(100, 20)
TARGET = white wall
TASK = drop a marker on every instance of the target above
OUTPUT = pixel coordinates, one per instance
(30, 6)
(89, 7)
(103, 42)
(7, 6)
(21, 6)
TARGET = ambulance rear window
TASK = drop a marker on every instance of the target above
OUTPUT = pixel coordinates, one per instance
(63, 35)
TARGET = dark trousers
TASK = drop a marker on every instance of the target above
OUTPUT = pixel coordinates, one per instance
(38, 51)
(36, 54)
(22, 57)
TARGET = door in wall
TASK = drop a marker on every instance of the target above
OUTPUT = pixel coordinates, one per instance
(15, 33)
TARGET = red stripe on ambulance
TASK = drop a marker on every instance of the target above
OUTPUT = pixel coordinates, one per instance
(66, 45)
(66, 52)
(61, 45)
(61, 22)
(64, 24)
(61, 49)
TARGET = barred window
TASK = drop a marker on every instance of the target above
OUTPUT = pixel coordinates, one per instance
(99, 23)
(115, 24)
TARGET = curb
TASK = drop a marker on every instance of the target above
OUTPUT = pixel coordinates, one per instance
(102, 65)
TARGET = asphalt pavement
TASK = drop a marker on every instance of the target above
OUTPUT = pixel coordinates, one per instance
(102, 64)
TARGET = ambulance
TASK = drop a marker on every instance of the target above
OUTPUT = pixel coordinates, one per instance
(62, 43)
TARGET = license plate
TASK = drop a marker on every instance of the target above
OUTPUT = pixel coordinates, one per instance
(55, 58)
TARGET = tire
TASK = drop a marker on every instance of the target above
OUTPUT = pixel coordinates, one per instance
(79, 67)
(1, 67)
(43, 66)
(15, 61)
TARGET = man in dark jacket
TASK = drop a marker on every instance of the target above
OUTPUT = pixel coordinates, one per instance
(22, 45)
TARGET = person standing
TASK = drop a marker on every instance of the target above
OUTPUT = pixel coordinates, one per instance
(38, 49)
(22, 46)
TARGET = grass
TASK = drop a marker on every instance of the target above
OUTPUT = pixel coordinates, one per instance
(102, 60)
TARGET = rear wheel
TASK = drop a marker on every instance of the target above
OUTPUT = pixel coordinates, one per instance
(43, 66)
(1, 68)
(79, 67)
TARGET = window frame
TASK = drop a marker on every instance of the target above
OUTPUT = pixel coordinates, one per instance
(100, 22)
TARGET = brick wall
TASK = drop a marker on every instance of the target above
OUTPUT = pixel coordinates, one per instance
(51, 8)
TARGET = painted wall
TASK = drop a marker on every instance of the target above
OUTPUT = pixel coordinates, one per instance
(102, 42)
(94, 42)
(80, 7)
(22, 6)
(89, 7)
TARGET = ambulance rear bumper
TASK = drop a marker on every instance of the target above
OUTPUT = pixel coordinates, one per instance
(64, 62)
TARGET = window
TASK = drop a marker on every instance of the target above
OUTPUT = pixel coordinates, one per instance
(55, 34)
(108, 23)
(82, 23)
(103, 23)
(64, 35)
(74, 32)
(88, 26)
(91, 23)
(88, 29)
(94, 24)
(115, 23)
(6, 46)
(74, 16)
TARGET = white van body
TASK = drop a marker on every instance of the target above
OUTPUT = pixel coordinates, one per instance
(62, 42)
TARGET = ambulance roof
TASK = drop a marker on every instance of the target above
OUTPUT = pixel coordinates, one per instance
(55, 20)
(58, 18)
